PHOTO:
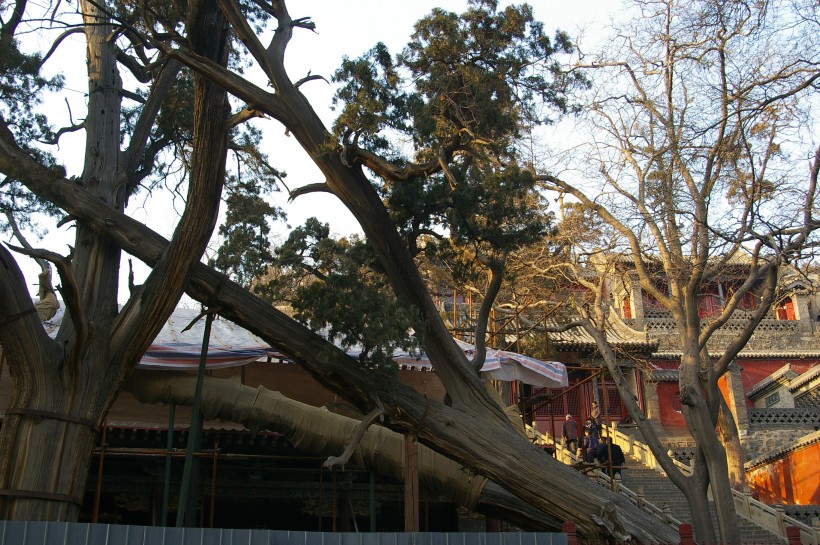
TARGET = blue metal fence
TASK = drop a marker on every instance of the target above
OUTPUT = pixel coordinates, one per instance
(70, 533)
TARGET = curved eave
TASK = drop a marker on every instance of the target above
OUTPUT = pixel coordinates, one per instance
(618, 346)
(664, 375)
(805, 378)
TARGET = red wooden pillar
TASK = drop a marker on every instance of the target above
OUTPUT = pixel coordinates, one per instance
(411, 483)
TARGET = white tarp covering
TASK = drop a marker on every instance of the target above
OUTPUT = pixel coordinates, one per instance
(511, 366)
(231, 346)
(501, 365)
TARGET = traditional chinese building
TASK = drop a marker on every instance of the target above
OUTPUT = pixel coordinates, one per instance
(772, 387)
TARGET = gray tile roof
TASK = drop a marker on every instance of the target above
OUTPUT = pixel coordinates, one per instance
(769, 457)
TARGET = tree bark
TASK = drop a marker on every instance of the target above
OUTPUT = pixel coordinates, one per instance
(55, 407)
(730, 439)
(37, 481)
(62, 389)
(699, 394)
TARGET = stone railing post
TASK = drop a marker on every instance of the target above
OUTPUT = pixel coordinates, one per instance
(747, 504)
(569, 528)
(687, 534)
(793, 536)
(780, 512)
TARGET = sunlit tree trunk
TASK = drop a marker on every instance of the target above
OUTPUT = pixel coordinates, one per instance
(323, 433)
(730, 438)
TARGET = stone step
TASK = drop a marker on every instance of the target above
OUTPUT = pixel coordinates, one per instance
(658, 490)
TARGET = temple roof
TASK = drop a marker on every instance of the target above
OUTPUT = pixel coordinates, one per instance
(782, 375)
(664, 375)
(773, 339)
(749, 354)
(805, 378)
(770, 457)
(620, 336)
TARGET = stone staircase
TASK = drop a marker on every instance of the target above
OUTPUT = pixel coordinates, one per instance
(655, 488)
(645, 483)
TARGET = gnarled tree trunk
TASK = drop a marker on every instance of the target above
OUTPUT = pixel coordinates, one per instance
(62, 388)
(55, 403)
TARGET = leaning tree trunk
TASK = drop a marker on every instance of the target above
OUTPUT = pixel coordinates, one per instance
(62, 388)
(498, 452)
(323, 433)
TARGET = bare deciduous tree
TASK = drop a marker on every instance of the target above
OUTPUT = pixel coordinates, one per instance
(696, 166)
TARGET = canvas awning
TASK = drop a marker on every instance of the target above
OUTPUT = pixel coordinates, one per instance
(173, 348)
(232, 346)
(498, 365)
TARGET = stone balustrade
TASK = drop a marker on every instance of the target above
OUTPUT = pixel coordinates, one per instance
(771, 518)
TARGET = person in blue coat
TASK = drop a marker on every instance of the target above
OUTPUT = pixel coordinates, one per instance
(589, 446)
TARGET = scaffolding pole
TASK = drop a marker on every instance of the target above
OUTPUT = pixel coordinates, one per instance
(196, 423)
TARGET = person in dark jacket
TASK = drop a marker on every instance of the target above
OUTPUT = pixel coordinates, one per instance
(609, 451)
(570, 433)
(589, 446)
